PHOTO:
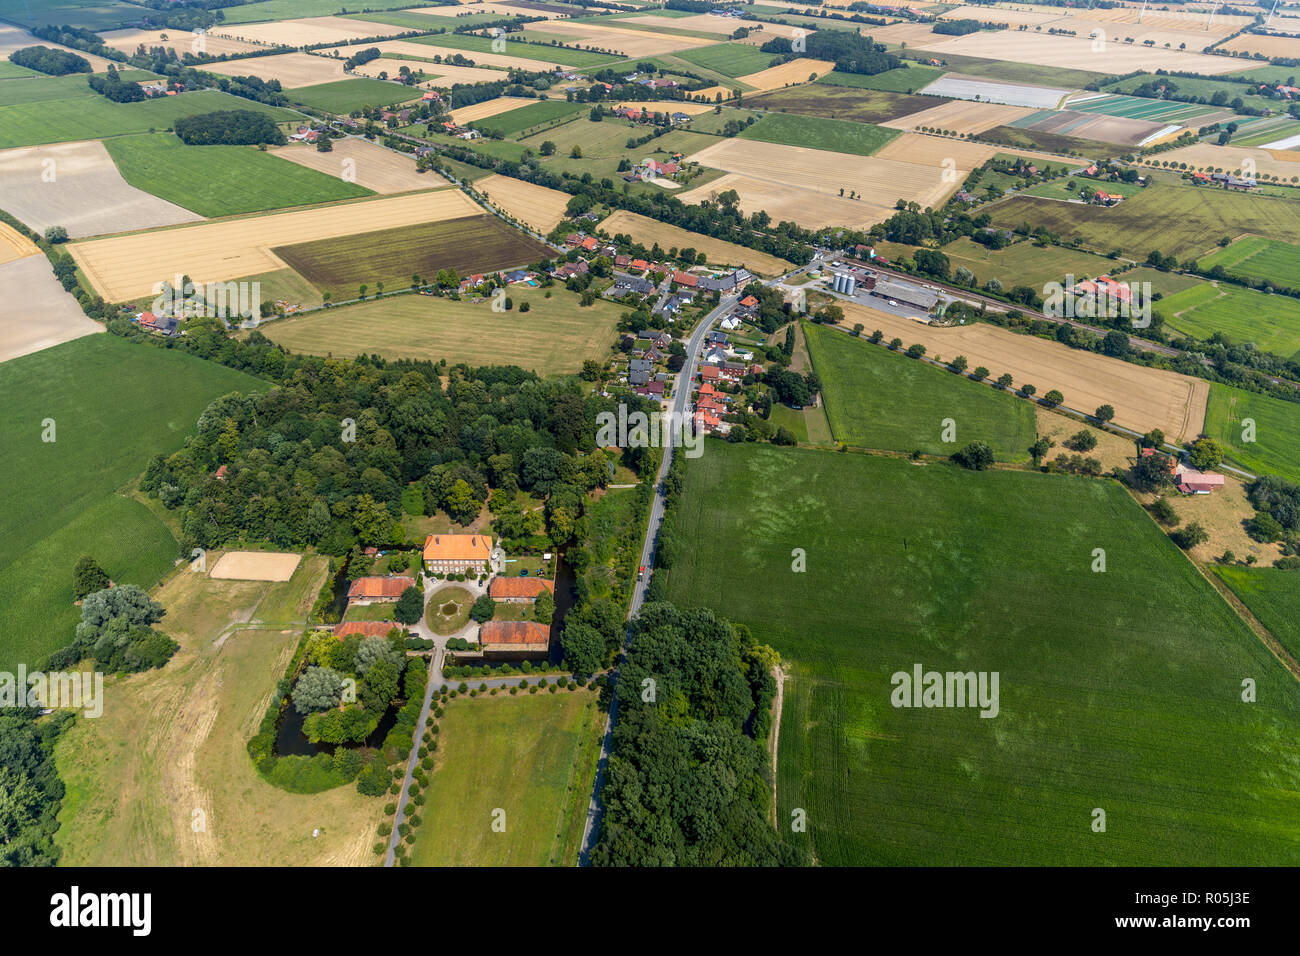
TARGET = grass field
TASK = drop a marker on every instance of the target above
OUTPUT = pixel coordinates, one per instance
(218, 181)
(841, 103)
(554, 336)
(344, 96)
(814, 132)
(91, 14)
(1272, 322)
(1181, 221)
(883, 400)
(580, 59)
(532, 756)
(526, 117)
(903, 80)
(1273, 596)
(1256, 257)
(1068, 189)
(1021, 263)
(391, 256)
(729, 59)
(1276, 448)
(62, 495)
(1105, 701)
(91, 116)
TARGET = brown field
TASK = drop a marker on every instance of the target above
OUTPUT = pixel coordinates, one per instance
(1076, 53)
(505, 9)
(445, 75)
(1185, 20)
(627, 42)
(913, 34)
(784, 204)
(649, 231)
(43, 315)
(1272, 46)
(1268, 162)
(405, 48)
(15, 38)
(182, 41)
(385, 171)
(961, 116)
(87, 196)
(14, 245)
(291, 69)
(1101, 128)
(787, 74)
(1143, 398)
(306, 31)
(255, 566)
(723, 26)
(535, 206)
(840, 102)
(478, 111)
(124, 268)
(674, 106)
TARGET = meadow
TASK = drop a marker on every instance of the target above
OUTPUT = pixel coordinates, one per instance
(1021, 263)
(579, 59)
(343, 96)
(841, 103)
(907, 79)
(552, 337)
(1276, 446)
(1255, 257)
(113, 405)
(1118, 690)
(1272, 322)
(1182, 221)
(92, 116)
(884, 400)
(532, 756)
(218, 181)
(813, 132)
(1273, 596)
(526, 117)
(729, 59)
(392, 256)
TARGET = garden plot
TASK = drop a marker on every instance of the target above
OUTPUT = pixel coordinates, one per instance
(368, 164)
(255, 566)
(123, 268)
(962, 116)
(181, 41)
(306, 32)
(958, 86)
(77, 186)
(537, 207)
(291, 69)
(43, 315)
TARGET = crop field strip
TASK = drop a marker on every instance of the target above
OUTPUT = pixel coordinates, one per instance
(1275, 448)
(719, 252)
(1273, 596)
(841, 103)
(1272, 322)
(988, 572)
(1256, 257)
(370, 165)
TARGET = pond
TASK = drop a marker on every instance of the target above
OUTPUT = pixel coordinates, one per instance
(290, 740)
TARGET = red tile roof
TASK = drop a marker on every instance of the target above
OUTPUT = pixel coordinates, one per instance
(389, 586)
(749, 301)
(502, 587)
(686, 279)
(515, 633)
(457, 547)
(366, 628)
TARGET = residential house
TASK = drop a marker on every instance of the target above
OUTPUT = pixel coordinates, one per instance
(732, 371)
(366, 628)
(518, 590)
(685, 280)
(457, 553)
(370, 590)
(1193, 482)
(590, 244)
(516, 639)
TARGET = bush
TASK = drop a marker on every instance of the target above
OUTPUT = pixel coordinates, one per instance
(976, 456)
(1082, 440)
(1190, 536)
(1164, 512)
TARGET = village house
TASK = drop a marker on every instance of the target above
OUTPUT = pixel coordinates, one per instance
(514, 639)
(1193, 482)
(366, 628)
(371, 590)
(518, 590)
(457, 553)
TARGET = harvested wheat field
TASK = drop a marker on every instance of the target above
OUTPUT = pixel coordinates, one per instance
(445, 75)
(649, 231)
(77, 186)
(255, 566)
(14, 245)
(961, 116)
(913, 34)
(15, 38)
(1205, 156)
(670, 106)
(306, 32)
(1143, 398)
(504, 9)
(1271, 46)
(537, 207)
(124, 268)
(405, 48)
(478, 111)
(1193, 21)
(804, 207)
(291, 69)
(627, 42)
(1077, 53)
(787, 74)
(365, 163)
(43, 315)
(723, 26)
(182, 41)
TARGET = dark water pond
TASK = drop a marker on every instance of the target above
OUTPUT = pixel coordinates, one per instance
(290, 740)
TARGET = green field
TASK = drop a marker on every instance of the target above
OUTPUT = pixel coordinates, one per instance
(907, 79)
(222, 180)
(1118, 690)
(1255, 257)
(1257, 132)
(1273, 596)
(579, 59)
(554, 336)
(294, 9)
(1276, 448)
(9, 71)
(729, 59)
(883, 400)
(1021, 263)
(344, 96)
(91, 14)
(1187, 85)
(814, 132)
(1272, 322)
(114, 405)
(1270, 74)
(841, 103)
(532, 756)
(1182, 221)
(534, 114)
(91, 116)
(1069, 188)
(1162, 283)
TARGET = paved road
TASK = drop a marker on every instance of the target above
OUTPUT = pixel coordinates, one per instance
(681, 401)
